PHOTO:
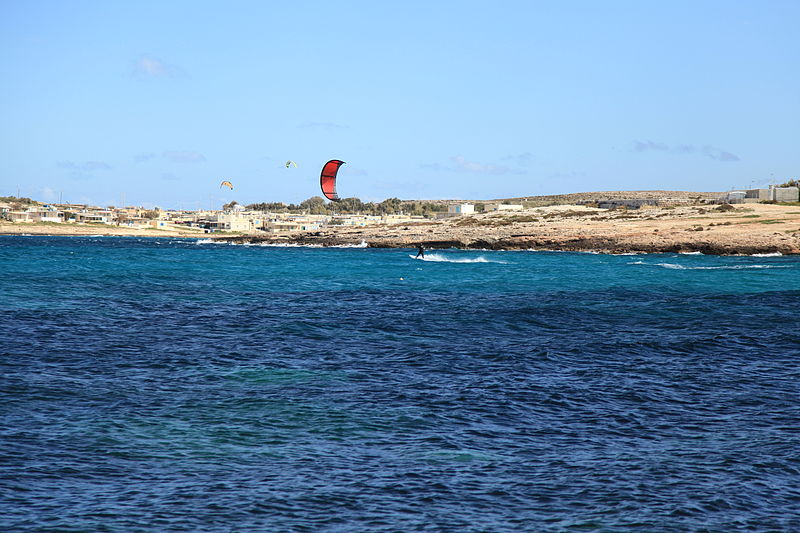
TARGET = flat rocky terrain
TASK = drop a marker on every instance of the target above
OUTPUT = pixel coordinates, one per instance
(713, 229)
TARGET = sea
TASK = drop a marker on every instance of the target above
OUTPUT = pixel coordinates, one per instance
(166, 385)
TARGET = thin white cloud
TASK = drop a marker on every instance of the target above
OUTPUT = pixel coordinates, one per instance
(567, 175)
(718, 154)
(184, 156)
(463, 165)
(141, 158)
(522, 160)
(151, 67)
(86, 166)
(712, 152)
(459, 163)
(648, 146)
(96, 165)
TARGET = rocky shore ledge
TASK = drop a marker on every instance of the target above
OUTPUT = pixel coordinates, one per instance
(744, 229)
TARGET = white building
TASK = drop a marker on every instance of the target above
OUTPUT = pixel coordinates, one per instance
(503, 207)
(94, 217)
(735, 197)
(460, 209)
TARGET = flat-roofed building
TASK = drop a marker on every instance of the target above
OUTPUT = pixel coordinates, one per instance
(461, 209)
(786, 194)
(94, 217)
(503, 207)
(773, 194)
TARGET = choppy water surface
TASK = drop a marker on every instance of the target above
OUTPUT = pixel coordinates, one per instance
(166, 385)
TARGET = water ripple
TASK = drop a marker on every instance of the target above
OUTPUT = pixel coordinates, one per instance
(176, 387)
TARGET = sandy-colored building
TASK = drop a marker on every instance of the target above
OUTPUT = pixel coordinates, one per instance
(34, 213)
(773, 194)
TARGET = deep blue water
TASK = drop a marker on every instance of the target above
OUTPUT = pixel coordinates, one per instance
(164, 385)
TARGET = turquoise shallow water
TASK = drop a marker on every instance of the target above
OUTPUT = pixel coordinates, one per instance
(171, 385)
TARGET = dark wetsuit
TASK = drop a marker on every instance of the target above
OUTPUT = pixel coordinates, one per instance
(421, 251)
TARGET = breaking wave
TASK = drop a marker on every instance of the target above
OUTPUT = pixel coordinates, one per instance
(674, 266)
(440, 258)
(289, 245)
(362, 244)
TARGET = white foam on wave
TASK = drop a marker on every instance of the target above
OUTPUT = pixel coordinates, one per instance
(362, 244)
(691, 253)
(440, 258)
(210, 241)
(674, 266)
(774, 254)
(289, 245)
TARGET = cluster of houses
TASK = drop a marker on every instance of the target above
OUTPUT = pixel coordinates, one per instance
(237, 219)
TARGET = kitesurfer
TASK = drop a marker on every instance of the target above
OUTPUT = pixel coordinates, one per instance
(420, 251)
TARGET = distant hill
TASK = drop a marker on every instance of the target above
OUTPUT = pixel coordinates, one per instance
(583, 197)
(580, 197)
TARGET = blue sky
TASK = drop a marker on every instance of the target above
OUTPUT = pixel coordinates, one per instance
(158, 102)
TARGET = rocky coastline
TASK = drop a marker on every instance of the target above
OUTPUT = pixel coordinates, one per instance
(742, 230)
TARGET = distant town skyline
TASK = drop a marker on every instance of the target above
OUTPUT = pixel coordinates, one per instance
(157, 103)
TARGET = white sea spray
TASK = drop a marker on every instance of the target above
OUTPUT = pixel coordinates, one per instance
(442, 258)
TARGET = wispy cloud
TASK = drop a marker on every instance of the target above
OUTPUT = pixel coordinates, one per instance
(141, 158)
(522, 160)
(648, 146)
(684, 149)
(712, 152)
(459, 163)
(718, 154)
(86, 166)
(151, 67)
(567, 175)
(184, 156)
(463, 165)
